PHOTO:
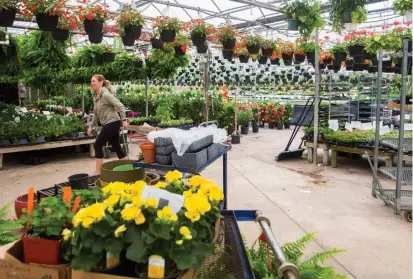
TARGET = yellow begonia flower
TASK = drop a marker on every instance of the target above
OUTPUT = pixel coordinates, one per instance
(166, 214)
(213, 191)
(153, 203)
(179, 242)
(197, 202)
(66, 234)
(195, 180)
(137, 187)
(185, 232)
(112, 200)
(87, 216)
(173, 176)
(187, 193)
(194, 216)
(161, 185)
(120, 230)
(110, 209)
(140, 219)
(87, 222)
(130, 213)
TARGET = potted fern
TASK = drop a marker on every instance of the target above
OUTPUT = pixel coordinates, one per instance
(7, 226)
(404, 8)
(8, 12)
(129, 23)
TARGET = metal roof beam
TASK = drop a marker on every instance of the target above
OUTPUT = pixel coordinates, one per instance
(229, 11)
(258, 4)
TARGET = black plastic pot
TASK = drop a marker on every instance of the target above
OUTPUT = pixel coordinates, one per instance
(198, 39)
(387, 64)
(359, 59)
(310, 56)
(356, 50)
(244, 58)
(236, 139)
(133, 31)
(263, 60)
(108, 57)
(227, 54)
(93, 26)
(275, 61)
(79, 181)
(168, 36)
(229, 44)
(346, 16)
(255, 128)
(128, 40)
(253, 49)
(156, 43)
(287, 125)
(373, 69)
(7, 17)
(202, 48)
(267, 51)
(279, 126)
(299, 58)
(179, 51)
(244, 130)
(339, 57)
(95, 38)
(271, 125)
(292, 24)
(60, 34)
(46, 22)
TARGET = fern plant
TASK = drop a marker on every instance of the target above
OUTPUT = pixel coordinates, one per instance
(7, 226)
(264, 262)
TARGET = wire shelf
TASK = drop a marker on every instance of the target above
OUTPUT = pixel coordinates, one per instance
(394, 143)
(390, 198)
(392, 173)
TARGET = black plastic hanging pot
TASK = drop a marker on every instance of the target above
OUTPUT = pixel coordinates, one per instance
(168, 36)
(138, 64)
(373, 69)
(263, 60)
(253, 49)
(108, 57)
(128, 40)
(346, 16)
(267, 51)
(339, 57)
(299, 58)
(179, 51)
(95, 38)
(292, 24)
(275, 61)
(244, 58)
(202, 48)
(229, 44)
(327, 61)
(93, 26)
(46, 22)
(356, 50)
(198, 39)
(227, 54)
(133, 31)
(60, 34)
(310, 56)
(7, 17)
(156, 43)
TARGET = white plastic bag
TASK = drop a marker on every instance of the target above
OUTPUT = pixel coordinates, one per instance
(182, 139)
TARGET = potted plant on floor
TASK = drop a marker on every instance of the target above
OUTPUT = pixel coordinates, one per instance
(244, 119)
(199, 30)
(279, 116)
(168, 28)
(303, 15)
(46, 12)
(341, 12)
(44, 227)
(93, 18)
(9, 9)
(404, 8)
(67, 22)
(129, 23)
(226, 35)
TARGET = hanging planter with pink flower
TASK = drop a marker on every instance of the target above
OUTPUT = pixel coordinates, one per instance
(93, 18)
(130, 24)
(8, 11)
(47, 12)
(168, 28)
(181, 44)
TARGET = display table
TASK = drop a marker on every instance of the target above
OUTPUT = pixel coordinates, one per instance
(47, 145)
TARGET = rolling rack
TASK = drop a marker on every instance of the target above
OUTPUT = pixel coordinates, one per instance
(400, 200)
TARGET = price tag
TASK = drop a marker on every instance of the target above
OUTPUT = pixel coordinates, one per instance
(45, 112)
(333, 124)
(164, 198)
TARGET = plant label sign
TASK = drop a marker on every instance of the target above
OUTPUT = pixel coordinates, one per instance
(117, 44)
(164, 198)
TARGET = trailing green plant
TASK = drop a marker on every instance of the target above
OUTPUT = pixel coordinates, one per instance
(10, 60)
(309, 46)
(402, 6)
(391, 41)
(7, 226)
(307, 12)
(88, 56)
(359, 16)
(338, 7)
(265, 264)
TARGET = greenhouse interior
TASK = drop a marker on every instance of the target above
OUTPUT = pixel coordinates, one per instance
(211, 139)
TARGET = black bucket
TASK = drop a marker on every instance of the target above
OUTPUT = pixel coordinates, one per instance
(79, 181)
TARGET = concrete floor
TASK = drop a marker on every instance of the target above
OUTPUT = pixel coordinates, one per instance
(296, 196)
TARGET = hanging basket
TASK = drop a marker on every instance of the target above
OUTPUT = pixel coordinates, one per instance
(46, 22)
(339, 57)
(267, 51)
(168, 36)
(356, 50)
(60, 34)
(138, 64)
(93, 26)
(227, 54)
(95, 38)
(346, 16)
(359, 59)
(253, 49)
(7, 17)
(275, 61)
(310, 56)
(292, 24)
(263, 60)
(179, 51)
(156, 43)
(198, 39)
(244, 58)
(299, 58)
(108, 57)
(133, 31)
(128, 40)
(229, 44)
(202, 49)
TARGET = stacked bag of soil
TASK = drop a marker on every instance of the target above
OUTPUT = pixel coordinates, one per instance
(163, 150)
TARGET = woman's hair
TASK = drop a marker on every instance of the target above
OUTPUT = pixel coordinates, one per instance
(106, 83)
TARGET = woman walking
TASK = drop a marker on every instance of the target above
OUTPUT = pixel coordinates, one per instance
(109, 112)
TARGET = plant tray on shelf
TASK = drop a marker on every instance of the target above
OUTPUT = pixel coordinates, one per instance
(140, 128)
(190, 160)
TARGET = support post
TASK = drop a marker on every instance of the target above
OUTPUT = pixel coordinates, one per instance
(205, 81)
(83, 100)
(317, 96)
(225, 179)
(377, 134)
(146, 98)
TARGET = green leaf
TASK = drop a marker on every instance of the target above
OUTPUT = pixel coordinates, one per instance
(97, 246)
(114, 245)
(137, 251)
(161, 230)
(102, 228)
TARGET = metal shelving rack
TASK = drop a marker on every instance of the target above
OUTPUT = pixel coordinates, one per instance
(366, 109)
(400, 200)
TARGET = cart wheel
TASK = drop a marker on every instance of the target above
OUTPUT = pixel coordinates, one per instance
(408, 216)
(106, 153)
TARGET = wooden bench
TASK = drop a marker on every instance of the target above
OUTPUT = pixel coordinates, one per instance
(387, 155)
(47, 145)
